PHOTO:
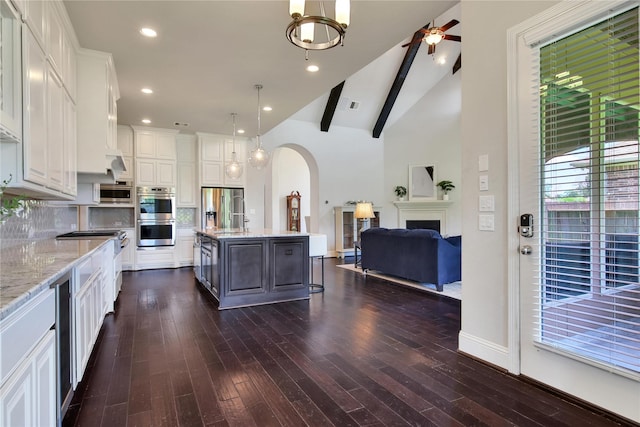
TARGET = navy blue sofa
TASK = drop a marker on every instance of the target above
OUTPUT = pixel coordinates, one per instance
(420, 255)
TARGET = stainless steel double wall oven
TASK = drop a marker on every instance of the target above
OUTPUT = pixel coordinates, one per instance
(156, 207)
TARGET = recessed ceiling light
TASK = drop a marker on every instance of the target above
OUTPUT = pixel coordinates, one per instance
(266, 108)
(146, 121)
(148, 32)
(240, 130)
(146, 90)
(442, 60)
(313, 68)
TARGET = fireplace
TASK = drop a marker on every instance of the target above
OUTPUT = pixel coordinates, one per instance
(429, 224)
(414, 214)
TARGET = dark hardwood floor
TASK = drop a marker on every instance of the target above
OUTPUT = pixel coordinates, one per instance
(363, 353)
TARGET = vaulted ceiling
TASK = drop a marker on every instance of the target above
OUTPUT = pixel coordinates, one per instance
(209, 55)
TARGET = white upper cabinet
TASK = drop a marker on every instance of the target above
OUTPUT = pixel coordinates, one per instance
(38, 90)
(10, 74)
(155, 151)
(36, 18)
(35, 115)
(97, 116)
(154, 143)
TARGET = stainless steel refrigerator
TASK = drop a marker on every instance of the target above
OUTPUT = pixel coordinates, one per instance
(222, 208)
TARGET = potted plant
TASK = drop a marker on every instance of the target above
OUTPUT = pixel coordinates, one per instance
(400, 191)
(446, 186)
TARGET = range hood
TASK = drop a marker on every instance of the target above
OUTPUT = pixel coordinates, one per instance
(113, 167)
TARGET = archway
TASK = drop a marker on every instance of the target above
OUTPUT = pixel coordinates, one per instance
(291, 163)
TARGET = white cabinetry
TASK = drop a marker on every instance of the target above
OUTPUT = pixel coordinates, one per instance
(348, 228)
(70, 147)
(187, 189)
(10, 74)
(215, 150)
(97, 116)
(128, 252)
(35, 115)
(155, 151)
(125, 144)
(38, 165)
(55, 136)
(28, 364)
(184, 248)
(93, 293)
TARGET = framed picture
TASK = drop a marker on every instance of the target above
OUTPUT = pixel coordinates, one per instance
(422, 182)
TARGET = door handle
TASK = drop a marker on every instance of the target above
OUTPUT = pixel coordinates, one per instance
(525, 250)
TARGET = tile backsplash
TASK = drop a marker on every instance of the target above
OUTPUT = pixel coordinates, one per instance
(38, 220)
(100, 217)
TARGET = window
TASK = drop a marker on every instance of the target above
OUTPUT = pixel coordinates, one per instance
(589, 116)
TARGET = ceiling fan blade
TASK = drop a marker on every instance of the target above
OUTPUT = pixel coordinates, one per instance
(412, 42)
(452, 38)
(449, 24)
(432, 49)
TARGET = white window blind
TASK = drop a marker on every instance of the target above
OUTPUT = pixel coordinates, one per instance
(589, 290)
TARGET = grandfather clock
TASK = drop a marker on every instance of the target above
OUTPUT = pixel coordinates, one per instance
(293, 211)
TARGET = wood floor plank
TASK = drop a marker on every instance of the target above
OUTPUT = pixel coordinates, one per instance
(362, 353)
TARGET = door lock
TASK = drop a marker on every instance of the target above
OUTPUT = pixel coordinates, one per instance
(525, 250)
(526, 225)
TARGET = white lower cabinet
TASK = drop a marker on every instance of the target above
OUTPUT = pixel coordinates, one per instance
(184, 250)
(160, 257)
(28, 364)
(93, 294)
(84, 302)
(128, 252)
(28, 398)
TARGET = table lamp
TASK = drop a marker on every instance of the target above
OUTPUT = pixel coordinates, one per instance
(364, 211)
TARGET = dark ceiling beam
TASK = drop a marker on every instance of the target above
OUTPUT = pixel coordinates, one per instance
(458, 64)
(409, 56)
(330, 108)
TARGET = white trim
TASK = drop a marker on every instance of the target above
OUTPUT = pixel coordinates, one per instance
(486, 350)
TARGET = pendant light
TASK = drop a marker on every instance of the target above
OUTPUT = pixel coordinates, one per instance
(259, 157)
(233, 169)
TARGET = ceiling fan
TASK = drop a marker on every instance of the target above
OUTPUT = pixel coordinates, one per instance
(434, 35)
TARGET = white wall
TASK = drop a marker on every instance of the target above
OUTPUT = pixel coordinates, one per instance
(350, 167)
(290, 173)
(429, 133)
(484, 131)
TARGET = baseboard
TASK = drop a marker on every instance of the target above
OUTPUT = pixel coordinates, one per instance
(488, 351)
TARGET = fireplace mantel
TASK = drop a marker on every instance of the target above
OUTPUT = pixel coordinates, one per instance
(423, 210)
(431, 204)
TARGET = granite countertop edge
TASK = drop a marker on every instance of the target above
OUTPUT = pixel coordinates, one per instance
(237, 233)
(72, 253)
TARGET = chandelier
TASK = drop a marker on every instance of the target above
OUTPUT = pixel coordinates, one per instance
(259, 157)
(233, 169)
(302, 30)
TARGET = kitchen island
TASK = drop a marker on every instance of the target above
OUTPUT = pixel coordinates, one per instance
(244, 268)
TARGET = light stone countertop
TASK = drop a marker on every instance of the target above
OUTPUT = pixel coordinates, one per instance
(30, 267)
(238, 233)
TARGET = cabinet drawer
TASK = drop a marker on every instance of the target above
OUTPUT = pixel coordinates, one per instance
(23, 329)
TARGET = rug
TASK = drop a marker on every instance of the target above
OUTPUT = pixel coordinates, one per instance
(451, 290)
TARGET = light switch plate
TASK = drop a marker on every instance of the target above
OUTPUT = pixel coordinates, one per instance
(487, 203)
(483, 182)
(486, 222)
(483, 163)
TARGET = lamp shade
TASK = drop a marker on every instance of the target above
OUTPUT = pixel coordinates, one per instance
(364, 210)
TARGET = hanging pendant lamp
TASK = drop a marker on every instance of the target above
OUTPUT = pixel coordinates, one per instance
(259, 157)
(233, 169)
